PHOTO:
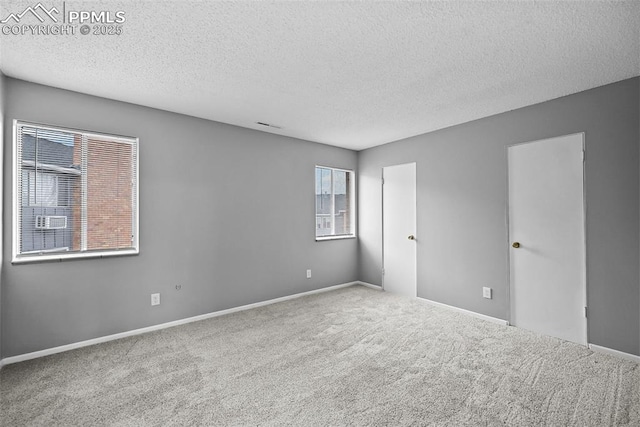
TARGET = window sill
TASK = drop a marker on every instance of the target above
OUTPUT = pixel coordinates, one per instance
(65, 256)
(324, 238)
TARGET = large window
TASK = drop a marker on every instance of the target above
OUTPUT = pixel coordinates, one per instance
(76, 193)
(335, 213)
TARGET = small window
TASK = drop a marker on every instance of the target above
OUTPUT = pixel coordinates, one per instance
(76, 194)
(335, 213)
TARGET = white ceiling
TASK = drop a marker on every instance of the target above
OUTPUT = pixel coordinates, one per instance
(350, 74)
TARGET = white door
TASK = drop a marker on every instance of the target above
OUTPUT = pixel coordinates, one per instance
(399, 229)
(546, 229)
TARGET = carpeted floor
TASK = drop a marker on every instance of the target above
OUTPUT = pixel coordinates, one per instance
(354, 356)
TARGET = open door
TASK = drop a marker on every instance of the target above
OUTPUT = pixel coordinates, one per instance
(547, 237)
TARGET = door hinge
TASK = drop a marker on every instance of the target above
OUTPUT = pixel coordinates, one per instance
(383, 271)
(585, 312)
(584, 155)
(382, 181)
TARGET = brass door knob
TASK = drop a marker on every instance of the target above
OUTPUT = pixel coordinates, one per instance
(411, 237)
(516, 245)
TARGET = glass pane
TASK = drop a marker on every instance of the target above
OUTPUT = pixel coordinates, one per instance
(109, 203)
(342, 218)
(47, 167)
(323, 202)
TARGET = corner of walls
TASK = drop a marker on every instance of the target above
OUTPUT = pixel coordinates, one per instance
(369, 222)
(366, 263)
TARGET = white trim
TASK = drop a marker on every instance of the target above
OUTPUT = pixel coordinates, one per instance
(616, 353)
(335, 237)
(99, 340)
(369, 285)
(26, 258)
(335, 168)
(94, 134)
(467, 312)
(14, 192)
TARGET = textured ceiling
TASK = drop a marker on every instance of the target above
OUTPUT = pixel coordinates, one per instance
(350, 74)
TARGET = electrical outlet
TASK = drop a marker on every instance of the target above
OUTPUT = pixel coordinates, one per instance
(486, 292)
(308, 274)
(155, 299)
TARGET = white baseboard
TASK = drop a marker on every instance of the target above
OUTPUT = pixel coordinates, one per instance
(73, 346)
(467, 312)
(621, 354)
(369, 285)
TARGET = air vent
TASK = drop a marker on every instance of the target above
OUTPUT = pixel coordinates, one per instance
(49, 222)
(269, 125)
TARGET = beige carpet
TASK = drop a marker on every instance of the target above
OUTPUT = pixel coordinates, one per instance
(355, 356)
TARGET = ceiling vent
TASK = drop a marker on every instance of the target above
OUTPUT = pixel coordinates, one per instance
(269, 125)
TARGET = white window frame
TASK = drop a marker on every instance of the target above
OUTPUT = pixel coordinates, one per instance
(55, 255)
(352, 201)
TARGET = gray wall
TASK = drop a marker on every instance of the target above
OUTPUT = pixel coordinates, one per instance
(2, 96)
(212, 199)
(228, 251)
(462, 205)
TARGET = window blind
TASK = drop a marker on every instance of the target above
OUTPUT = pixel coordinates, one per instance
(76, 193)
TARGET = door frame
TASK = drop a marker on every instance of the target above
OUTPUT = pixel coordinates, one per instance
(585, 292)
(382, 220)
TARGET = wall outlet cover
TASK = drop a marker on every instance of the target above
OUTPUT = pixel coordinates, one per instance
(486, 292)
(155, 299)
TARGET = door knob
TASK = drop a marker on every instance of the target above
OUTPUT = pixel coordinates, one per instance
(411, 237)
(516, 245)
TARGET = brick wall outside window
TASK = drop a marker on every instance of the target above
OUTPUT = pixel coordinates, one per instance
(109, 195)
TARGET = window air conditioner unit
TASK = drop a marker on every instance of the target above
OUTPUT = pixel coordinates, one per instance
(49, 222)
